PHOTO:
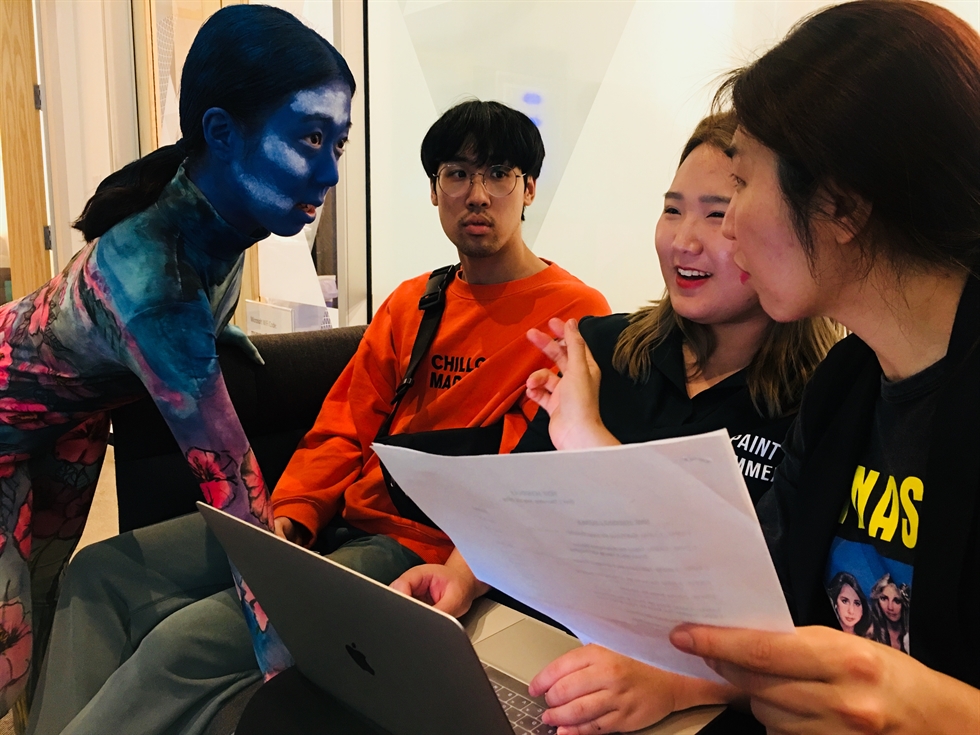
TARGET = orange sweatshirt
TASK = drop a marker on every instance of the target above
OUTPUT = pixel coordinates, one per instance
(473, 375)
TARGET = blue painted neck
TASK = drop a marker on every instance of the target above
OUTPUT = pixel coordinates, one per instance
(184, 205)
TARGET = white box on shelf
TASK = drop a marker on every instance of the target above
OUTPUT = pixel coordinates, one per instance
(273, 316)
(262, 318)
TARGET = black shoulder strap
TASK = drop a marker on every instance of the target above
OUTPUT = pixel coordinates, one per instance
(432, 304)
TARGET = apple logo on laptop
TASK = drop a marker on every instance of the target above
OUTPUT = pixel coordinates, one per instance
(359, 658)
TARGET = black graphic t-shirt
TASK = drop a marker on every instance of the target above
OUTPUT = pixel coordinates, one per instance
(660, 408)
(869, 572)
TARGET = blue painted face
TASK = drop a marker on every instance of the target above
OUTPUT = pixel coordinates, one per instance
(290, 163)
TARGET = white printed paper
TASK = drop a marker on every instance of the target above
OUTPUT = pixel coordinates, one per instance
(287, 272)
(620, 544)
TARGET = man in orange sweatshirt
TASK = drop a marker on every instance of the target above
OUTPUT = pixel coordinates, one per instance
(483, 160)
(162, 593)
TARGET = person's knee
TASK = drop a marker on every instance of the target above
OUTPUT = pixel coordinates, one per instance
(379, 557)
(89, 568)
(205, 639)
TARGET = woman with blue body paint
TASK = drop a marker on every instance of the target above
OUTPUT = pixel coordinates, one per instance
(264, 112)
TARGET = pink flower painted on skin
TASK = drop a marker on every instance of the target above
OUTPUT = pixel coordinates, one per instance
(42, 306)
(261, 619)
(258, 495)
(216, 471)
(9, 462)
(85, 444)
(7, 316)
(22, 531)
(15, 643)
(6, 358)
(40, 315)
(28, 415)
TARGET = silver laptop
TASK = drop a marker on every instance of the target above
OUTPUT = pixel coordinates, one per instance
(398, 662)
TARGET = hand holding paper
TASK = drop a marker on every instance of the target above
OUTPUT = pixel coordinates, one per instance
(620, 544)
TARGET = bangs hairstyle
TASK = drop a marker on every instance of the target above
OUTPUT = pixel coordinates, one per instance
(788, 354)
(872, 108)
(247, 60)
(489, 132)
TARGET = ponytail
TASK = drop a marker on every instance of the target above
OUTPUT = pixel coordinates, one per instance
(129, 190)
(247, 60)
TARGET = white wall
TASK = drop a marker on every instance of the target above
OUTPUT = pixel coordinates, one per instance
(622, 84)
(89, 98)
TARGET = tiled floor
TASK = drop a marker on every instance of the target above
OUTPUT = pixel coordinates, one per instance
(103, 519)
(103, 522)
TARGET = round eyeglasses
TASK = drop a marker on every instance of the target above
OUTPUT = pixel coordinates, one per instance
(499, 181)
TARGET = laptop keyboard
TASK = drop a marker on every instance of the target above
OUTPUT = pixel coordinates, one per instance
(523, 711)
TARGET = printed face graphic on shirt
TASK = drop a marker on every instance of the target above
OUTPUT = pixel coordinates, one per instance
(891, 603)
(290, 162)
(870, 593)
(849, 608)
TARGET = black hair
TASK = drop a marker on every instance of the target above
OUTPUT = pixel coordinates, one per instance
(490, 132)
(246, 60)
(875, 101)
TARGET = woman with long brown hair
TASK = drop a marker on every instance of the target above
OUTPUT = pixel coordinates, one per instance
(857, 165)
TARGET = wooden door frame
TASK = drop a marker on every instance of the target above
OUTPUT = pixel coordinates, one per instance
(23, 162)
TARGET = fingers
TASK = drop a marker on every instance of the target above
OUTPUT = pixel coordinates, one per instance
(553, 349)
(806, 654)
(565, 696)
(434, 585)
(404, 584)
(564, 665)
(292, 531)
(575, 348)
(583, 715)
(557, 327)
(414, 583)
(256, 355)
(281, 527)
(541, 384)
(452, 601)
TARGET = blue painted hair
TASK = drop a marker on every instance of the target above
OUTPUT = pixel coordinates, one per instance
(247, 60)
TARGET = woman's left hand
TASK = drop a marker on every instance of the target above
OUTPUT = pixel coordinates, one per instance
(820, 680)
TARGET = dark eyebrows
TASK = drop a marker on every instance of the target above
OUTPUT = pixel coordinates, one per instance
(731, 151)
(706, 199)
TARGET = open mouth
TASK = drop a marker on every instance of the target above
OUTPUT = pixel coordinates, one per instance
(690, 278)
(308, 209)
(692, 275)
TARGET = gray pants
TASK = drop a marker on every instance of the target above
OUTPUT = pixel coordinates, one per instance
(149, 635)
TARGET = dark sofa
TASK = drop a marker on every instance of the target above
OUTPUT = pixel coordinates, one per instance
(277, 404)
